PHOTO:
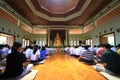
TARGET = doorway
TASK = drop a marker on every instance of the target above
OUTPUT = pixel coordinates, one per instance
(6, 39)
(108, 38)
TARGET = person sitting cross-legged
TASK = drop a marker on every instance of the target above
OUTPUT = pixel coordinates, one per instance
(110, 61)
(87, 55)
(42, 54)
(35, 55)
(17, 64)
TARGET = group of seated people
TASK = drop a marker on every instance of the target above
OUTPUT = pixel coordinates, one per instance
(20, 61)
(109, 56)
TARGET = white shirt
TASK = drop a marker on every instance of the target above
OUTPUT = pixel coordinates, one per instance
(114, 49)
(77, 51)
(28, 52)
(81, 50)
(5, 50)
(10, 50)
(48, 51)
(66, 48)
(71, 50)
(34, 56)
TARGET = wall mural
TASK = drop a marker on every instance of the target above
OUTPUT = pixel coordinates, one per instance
(57, 37)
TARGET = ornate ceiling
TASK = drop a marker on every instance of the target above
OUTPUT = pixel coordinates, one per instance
(58, 12)
(56, 6)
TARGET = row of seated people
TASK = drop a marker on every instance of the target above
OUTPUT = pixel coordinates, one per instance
(109, 57)
(19, 62)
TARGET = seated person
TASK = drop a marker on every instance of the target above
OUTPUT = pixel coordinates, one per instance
(17, 65)
(77, 52)
(118, 49)
(71, 50)
(110, 61)
(42, 54)
(28, 52)
(35, 55)
(67, 49)
(6, 50)
(87, 55)
(2, 56)
(48, 52)
(113, 48)
(100, 51)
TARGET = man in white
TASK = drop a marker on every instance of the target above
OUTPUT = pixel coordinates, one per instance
(5, 50)
(71, 50)
(28, 52)
(77, 52)
(81, 49)
(35, 56)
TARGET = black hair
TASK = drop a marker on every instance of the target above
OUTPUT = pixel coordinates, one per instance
(25, 48)
(68, 46)
(118, 45)
(43, 48)
(1, 46)
(46, 45)
(15, 46)
(107, 46)
(95, 46)
(6, 45)
(39, 47)
(31, 47)
(35, 49)
(76, 46)
(86, 47)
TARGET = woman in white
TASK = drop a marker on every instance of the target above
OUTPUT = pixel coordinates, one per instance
(35, 55)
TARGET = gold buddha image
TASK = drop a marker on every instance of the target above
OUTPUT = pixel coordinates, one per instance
(57, 40)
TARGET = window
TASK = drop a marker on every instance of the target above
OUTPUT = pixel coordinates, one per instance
(107, 38)
(89, 42)
(26, 42)
(3, 40)
(6, 39)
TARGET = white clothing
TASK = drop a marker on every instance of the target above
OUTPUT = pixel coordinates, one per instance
(100, 68)
(9, 51)
(28, 52)
(77, 51)
(114, 49)
(66, 48)
(5, 50)
(71, 50)
(25, 71)
(34, 56)
(92, 49)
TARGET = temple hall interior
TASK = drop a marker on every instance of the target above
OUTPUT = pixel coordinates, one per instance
(59, 39)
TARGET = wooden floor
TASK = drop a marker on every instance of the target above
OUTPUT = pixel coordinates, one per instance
(64, 67)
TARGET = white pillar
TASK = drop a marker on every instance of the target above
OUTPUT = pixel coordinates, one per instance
(48, 32)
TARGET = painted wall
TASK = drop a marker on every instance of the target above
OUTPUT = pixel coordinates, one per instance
(94, 34)
(18, 32)
(40, 39)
